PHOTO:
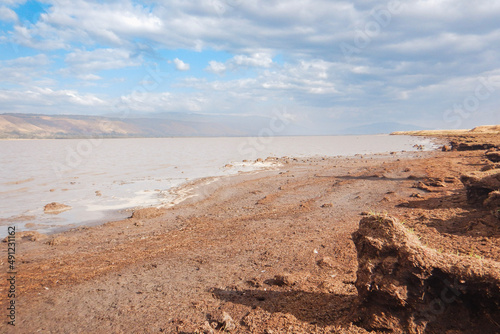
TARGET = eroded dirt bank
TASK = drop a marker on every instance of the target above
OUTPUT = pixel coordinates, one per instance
(270, 252)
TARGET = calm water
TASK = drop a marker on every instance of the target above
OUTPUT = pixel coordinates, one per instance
(139, 172)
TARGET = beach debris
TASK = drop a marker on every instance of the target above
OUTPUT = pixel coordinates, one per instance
(404, 286)
(55, 208)
(221, 320)
(327, 205)
(98, 193)
(206, 328)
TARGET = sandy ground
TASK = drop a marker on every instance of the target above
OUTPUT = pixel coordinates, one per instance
(273, 250)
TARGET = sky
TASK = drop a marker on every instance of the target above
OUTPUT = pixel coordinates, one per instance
(323, 64)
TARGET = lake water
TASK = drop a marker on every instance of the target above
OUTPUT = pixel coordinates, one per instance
(134, 172)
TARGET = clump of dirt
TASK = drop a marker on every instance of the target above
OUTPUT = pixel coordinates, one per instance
(405, 286)
(55, 208)
(480, 184)
(493, 156)
(147, 213)
(28, 236)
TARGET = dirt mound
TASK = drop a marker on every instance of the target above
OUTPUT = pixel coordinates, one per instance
(493, 156)
(471, 146)
(55, 208)
(147, 213)
(404, 286)
(487, 129)
(480, 184)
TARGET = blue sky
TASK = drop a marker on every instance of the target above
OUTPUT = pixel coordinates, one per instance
(329, 64)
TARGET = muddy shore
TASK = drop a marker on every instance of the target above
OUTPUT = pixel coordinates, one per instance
(272, 252)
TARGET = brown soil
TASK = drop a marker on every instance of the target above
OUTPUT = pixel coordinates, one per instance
(267, 252)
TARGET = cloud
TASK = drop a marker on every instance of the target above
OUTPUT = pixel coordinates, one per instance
(45, 99)
(216, 67)
(24, 70)
(87, 62)
(89, 77)
(261, 60)
(416, 57)
(8, 15)
(180, 65)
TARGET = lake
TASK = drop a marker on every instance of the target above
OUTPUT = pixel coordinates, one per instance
(101, 178)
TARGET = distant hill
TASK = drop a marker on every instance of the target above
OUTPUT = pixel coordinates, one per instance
(72, 126)
(171, 124)
(379, 128)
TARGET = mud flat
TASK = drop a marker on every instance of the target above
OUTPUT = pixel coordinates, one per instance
(277, 252)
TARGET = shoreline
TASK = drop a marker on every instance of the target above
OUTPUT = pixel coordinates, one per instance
(271, 248)
(113, 214)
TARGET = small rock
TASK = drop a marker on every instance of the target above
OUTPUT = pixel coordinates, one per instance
(291, 279)
(446, 148)
(206, 328)
(223, 321)
(326, 262)
(98, 193)
(57, 240)
(55, 208)
(422, 186)
(327, 205)
(228, 166)
(139, 223)
(416, 195)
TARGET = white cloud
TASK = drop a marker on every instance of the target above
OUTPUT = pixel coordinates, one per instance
(8, 15)
(45, 99)
(86, 62)
(216, 67)
(423, 53)
(89, 77)
(24, 70)
(262, 60)
(180, 65)
(255, 60)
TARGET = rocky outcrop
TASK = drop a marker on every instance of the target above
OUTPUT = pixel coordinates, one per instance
(480, 184)
(463, 146)
(405, 287)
